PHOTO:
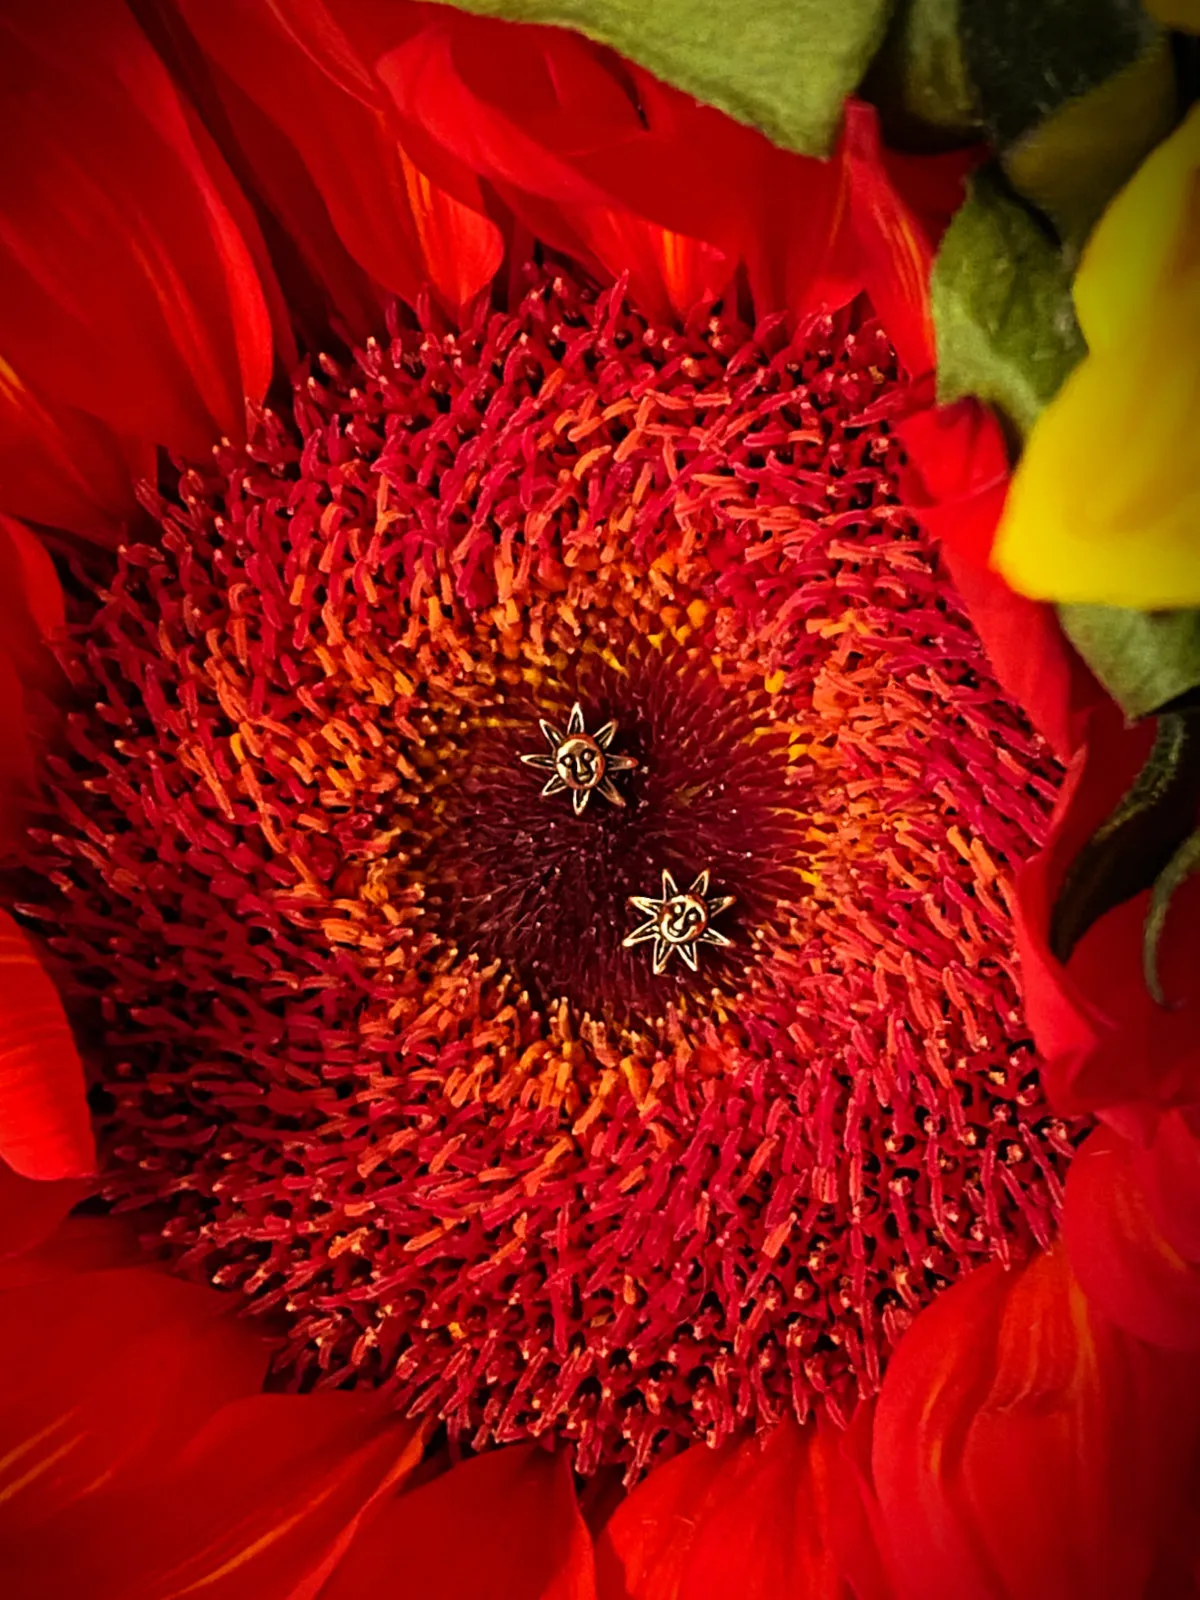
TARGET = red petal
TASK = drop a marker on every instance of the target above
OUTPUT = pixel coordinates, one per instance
(461, 250)
(794, 248)
(648, 1545)
(30, 1209)
(259, 1505)
(539, 114)
(669, 273)
(548, 119)
(304, 69)
(864, 220)
(319, 276)
(1064, 1028)
(932, 186)
(895, 252)
(957, 460)
(78, 1245)
(1028, 652)
(45, 1130)
(1104, 1039)
(1168, 1170)
(504, 1525)
(17, 781)
(956, 479)
(31, 680)
(512, 104)
(126, 288)
(105, 1373)
(855, 1522)
(751, 1519)
(901, 206)
(59, 466)
(29, 584)
(690, 168)
(1025, 1449)
(31, 612)
(1119, 1251)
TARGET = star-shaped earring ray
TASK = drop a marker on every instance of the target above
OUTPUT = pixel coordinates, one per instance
(581, 762)
(681, 921)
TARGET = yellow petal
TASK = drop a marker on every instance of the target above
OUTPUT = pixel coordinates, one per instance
(1150, 233)
(1105, 504)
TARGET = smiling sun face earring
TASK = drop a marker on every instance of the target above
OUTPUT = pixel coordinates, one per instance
(680, 922)
(580, 762)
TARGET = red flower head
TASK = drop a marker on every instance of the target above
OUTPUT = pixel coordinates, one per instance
(430, 1101)
(638, 1096)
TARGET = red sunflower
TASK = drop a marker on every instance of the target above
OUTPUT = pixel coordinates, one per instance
(655, 1129)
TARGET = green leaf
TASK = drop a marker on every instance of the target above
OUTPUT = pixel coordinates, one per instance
(1145, 659)
(1184, 864)
(1025, 58)
(1136, 843)
(919, 78)
(784, 66)
(1073, 94)
(1002, 307)
(1073, 162)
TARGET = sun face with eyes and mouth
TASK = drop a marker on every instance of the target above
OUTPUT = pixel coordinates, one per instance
(679, 922)
(579, 762)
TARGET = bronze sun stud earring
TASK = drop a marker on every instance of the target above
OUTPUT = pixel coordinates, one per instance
(581, 762)
(680, 922)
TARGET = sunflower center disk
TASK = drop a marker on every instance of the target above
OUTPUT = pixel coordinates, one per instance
(532, 856)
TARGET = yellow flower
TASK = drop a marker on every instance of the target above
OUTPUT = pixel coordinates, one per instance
(1105, 505)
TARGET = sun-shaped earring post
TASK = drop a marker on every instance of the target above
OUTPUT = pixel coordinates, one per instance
(680, 922)
(579, 762)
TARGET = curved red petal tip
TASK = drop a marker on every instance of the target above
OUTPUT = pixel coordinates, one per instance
(45, 1129)
(1026, 1449)
(505, 1524)
(128, 289)
(1120, 1250)
(753, 1519)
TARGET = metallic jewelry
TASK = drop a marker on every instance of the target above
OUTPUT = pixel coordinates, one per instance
(580, 762)
(680, 922)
